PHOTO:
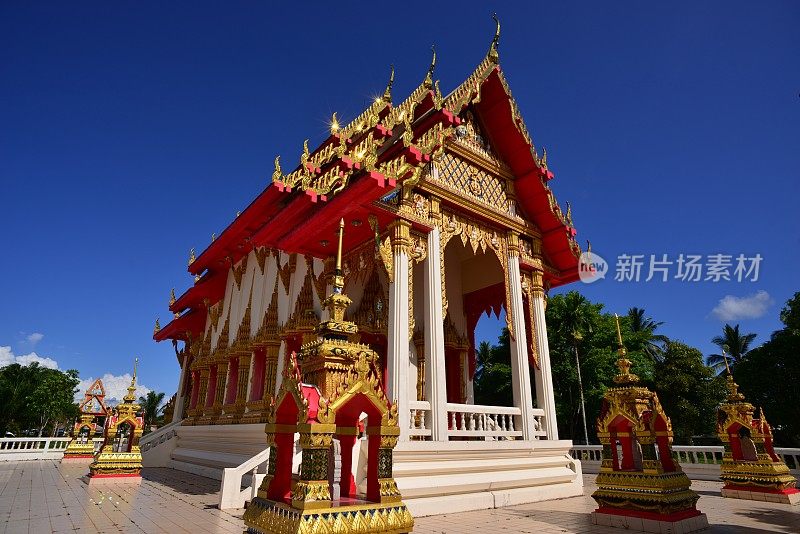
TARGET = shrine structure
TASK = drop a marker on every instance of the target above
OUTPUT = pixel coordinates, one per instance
(338, 390)
(750, 468)
(449, 215)
(83, 431)
(640, 485)
(119, 457)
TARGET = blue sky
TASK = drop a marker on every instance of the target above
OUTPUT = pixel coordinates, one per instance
(130, 132)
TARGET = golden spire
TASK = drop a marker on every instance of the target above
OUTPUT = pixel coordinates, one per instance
(172, 297)
(588, 247)
(334, 123)
(131, 396)
(387, 94)
(338, 282)
(624, 377)
(304, 157)
(191, 256)
(429, 76)
(157, 327)
(569, 214)
(493, 55)
(543, 159)
(725, 359)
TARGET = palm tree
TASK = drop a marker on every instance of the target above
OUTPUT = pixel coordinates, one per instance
(639, 323)
(576, 323)
(735, 344)
(151, 406)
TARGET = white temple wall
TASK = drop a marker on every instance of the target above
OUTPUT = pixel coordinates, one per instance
(454, 289)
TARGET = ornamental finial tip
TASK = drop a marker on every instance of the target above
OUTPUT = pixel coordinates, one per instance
(432, 67)
(157, 327)
(496, 40)
(387, 94)
(334, 123)
(191, 256)
(172, 297)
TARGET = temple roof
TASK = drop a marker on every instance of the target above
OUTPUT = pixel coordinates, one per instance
(363, 160)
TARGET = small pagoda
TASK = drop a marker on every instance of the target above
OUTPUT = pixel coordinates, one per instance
(119, 456)
(339, 381)
(640, 486)
(93, 406)
(750, 468)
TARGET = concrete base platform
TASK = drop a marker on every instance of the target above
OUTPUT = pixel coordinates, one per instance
(113, 480)
(792, 498)
(476, 475)
(641, 524)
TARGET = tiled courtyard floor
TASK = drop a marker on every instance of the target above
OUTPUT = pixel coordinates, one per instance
(46, 496)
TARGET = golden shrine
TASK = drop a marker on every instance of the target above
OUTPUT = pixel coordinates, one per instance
(449, 216)
(83, 431)
(339, 382)
(640, 485)
(119, 457)
(750, 468)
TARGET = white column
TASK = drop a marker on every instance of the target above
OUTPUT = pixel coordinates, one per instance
(545, 398)
(398, 349)
(520, 370)
(435, 383)
(178, 411)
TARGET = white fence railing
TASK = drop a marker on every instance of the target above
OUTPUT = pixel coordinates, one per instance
(700, 462)
(157, 437)
(475, 421)
(240, 484)
(17, 449)
(478, 421)
(420, 418)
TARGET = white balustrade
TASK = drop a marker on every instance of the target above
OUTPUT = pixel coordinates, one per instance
(420, 418)
(699, 462)
(157, 437)
(16, 449)
(483, 422)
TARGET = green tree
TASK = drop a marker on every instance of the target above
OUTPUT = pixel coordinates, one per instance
(769, 377)
(735, 344)
(653, 344)
(54, 397)
(689, 391)
(151, 406)
(493, 372)
(597, 344)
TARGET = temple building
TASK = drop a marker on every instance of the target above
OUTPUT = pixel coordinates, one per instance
(449, 215)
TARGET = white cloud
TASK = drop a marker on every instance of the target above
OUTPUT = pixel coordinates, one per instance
(7, 358)
(116, 387)
(732, 308)
(35, 338)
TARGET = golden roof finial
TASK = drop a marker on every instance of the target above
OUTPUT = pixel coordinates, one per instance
(543, 159)
(387, 94)
(131, 396)
(172, 297)
(725, 359)
(213, 236)
(306, 154)
(157, 327)
(191, 256)
(588, 247)
(493, 55)
(429, 75)
(623, 363)
(569, 214)
(277, 174)
(334, 123)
